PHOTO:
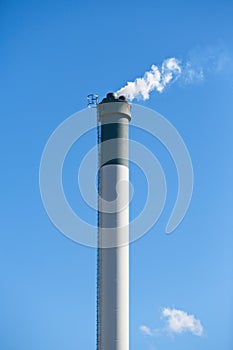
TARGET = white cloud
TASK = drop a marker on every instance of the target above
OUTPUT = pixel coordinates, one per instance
(179, 321)
(146, 330)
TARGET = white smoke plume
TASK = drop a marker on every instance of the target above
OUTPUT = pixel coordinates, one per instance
(155, 79)
(197, 65)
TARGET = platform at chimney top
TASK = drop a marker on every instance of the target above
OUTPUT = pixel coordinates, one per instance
(116, 109)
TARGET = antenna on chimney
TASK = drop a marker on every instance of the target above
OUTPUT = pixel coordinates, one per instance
(92, 100)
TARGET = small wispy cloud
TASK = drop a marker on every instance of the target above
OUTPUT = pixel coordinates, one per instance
(177, 322)
(145, 330)
(193, 69)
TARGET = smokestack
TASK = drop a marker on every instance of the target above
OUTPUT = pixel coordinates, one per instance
(114, 114)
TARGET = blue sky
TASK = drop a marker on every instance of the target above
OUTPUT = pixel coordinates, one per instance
(53, 54)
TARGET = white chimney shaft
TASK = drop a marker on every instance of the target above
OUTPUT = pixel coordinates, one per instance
(113, 227)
